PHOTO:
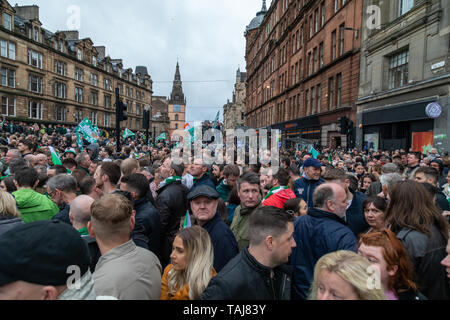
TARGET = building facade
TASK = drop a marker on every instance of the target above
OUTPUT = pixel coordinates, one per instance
(303, 60)
(57, 78)
(177, 104)
(234, 112)
(160, 121)
(405, 75)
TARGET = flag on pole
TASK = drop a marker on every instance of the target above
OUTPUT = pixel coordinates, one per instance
(314, 152)
(128, 133)
(187, 126)
(55, 157)
(187, 221)
(162, 136)
(216, 120)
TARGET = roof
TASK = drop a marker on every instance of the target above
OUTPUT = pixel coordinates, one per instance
(256, 21)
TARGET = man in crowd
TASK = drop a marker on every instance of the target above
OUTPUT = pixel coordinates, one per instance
(431, 175)
(45, 270)
(88, 187)
(11, 154)
(62, 190)
(199, 171)
(279, 192)
(171, 203)
(204, 200)
(32, 205)
(304, 188)
(26, 147)
(147, 228)
(246, 277)
(124, 271)
(413, 163)
(84, 161)
(129, 166)
(321, 231)
(249, 194)
(107, 177)
(231, 173)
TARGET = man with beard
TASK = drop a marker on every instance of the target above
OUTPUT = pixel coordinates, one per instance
(62, 188)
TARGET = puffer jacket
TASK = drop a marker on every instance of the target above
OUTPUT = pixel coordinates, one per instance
(304, 188)
(172, 205)
(426, 254)
(244, 278)
(34, 206)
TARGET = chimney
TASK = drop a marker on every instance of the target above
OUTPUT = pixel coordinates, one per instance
(101, 52)
(71, 34)
(27, 12)
(142, 70)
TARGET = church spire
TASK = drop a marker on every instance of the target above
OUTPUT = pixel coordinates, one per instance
(177, 95)
(264, 8)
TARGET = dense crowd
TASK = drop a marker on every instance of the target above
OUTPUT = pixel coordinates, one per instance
(82, 221)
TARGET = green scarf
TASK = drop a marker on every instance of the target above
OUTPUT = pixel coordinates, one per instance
(275, 190)
(169, 180)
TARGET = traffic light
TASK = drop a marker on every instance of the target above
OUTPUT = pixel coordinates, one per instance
(343, 125)
(122, 111)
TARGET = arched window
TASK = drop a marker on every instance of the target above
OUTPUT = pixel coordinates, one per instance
(176, 118)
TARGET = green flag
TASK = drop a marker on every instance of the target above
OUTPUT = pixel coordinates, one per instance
(128, 133)
(162, 136)
(216, 120)
(187, 221)
(314, 153)
(87, 129)
(55, 157)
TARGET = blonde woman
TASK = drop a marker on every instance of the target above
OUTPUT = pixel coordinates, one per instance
(344, 275)
(9, 215)
(192, 265)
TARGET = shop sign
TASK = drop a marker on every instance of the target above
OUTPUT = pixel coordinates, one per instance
(433, 110)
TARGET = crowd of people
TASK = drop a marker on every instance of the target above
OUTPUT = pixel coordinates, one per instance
(87, 222)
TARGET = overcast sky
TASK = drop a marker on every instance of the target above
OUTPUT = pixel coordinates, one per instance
(206, 36)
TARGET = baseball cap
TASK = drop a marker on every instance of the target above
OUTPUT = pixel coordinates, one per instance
(311, 162)
(41, 253)
(203, 190)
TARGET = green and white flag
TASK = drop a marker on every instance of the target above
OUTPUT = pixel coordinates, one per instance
(162, 136)
(87, 129)
(216, 120)
(128, 133)
(55, 157)
(314, 152)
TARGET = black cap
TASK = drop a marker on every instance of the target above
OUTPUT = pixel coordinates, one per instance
(203, 190)
(41, 252)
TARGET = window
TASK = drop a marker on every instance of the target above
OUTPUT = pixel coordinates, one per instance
(342, 42)
(60, 113)
(36, 34)
(8, 106)
(405, 6)
(138, 109)
(315, 60)
(79, 54)
(7, 21)
(319, 97)
(94, 79)
(94, 61)
(61, 68)
(336, 4)
(339, 89)
(93, 118)
(78, 94)
(108, 85)
(60, 90)
(94, 98)
(130, 106)
(107, 120)
(313, 97)
(307, 101)
(127, 91)
(107, 101)
(310, 26)
(330, 93)
(177, 118)
(35, 83)
(35, 110)
(176, 108)
(297, 39)
(322, 12)
(8, 77)
(79, 74)
(316, 20)
(333, 45)
(398, 69)
(321, 55)
(120, 87)
(35, 59)
(78, 115)
(60, 46)
(8, 49)
(176, 126)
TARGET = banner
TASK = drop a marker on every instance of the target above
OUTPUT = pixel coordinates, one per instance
(162, 136)
(87, 129)
(128, 133)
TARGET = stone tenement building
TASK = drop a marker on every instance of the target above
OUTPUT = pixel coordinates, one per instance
(405, 68)
(60, 79)
(234, 112)
(160, 121)
(303, 60)
(177, 104)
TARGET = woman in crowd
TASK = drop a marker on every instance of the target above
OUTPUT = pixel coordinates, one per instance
(365, 183)
(388, 256)
(417, 222)
(297, 206)
(192, 265)
(360, 170)
(374, 212)
(342, 275)
(217, 174)
(9, 215)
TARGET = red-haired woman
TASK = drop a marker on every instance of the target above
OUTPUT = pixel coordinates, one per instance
(391, 263)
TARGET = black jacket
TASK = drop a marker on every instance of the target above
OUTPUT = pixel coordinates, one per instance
(8, 222)
(426, 253)
(94, 251)
(244, 278)
(63, 215)
(355, 214)
(147, 229)
(172, 205)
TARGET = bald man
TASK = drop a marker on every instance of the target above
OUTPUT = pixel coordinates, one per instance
(129, 166)
(321, 231)
(80, 215)
(31, 160)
